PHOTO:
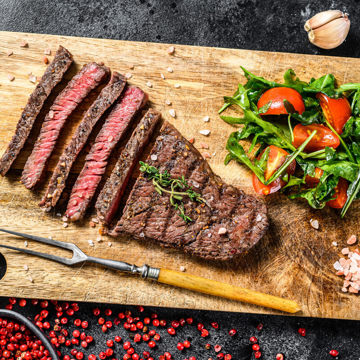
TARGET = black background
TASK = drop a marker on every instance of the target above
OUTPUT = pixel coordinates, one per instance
(259, 25)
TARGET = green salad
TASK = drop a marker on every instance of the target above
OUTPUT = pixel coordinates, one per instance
(305, 137)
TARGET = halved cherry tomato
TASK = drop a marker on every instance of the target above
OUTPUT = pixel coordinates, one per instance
(276, 158)
(336, 111)
(277, 96)
(323, 137)
(312, 181)
(340, 194)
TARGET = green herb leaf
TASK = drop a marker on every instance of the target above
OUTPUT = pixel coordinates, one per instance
(352, 192)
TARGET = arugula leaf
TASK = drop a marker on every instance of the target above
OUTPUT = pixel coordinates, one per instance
(318, 197)
(348, 87)
(233, 120)
(352, 192)
(312, 116)
(352, 129)
(237, 152)
(345, 169)
(325, 84)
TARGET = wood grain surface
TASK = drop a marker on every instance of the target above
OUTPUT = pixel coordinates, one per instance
(293, 260)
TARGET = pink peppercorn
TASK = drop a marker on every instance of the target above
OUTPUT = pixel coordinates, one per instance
(302, 331)
(334, 353)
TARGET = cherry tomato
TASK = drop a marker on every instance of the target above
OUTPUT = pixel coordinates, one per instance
(340, 195)
(312, 181)
(277, 96)
(323, 137)
(336, 111)
(276, 158)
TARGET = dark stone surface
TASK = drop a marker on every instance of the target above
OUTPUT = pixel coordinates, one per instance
(249, 24)
(279, 334)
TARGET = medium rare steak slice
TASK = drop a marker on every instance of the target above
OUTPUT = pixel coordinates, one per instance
(90, 76)
(106, 98)
(96, 161)
(230, 222)
(109, 198)
(52, 76)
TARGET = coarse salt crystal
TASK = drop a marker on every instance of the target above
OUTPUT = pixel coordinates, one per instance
(206, 118)
(153, 157)
(58, 214)
(47, 52)
(30, 279)
(109, 244)
(176, 86)
(345, 251)
(209, 235)
(65, 225)
(334, 243)
(205, 132)
(344, 289)
(162, 76)
(149, 84)
(91, 243)
(222, 231)
(170, 70)
(32, 78)
(9, 53)
(355, 256)
(26, 268)
(351, 240)
(142, 234)
(65, 218)
(24, 44)
(172, 113)
(204, 146)
(99, 239)
(51, 114)
(337, 266)
(167, 102)
(182, 268)
(314, 224)
(258, 217)
(11, 77)
(25, 243)
(128, 75)
(207, 155)
(131, 66)
(171, 50)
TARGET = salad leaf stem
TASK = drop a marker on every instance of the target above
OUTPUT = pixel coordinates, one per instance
(350, 155)
(290, 158)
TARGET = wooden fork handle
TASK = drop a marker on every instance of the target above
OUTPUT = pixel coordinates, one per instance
(216, 288)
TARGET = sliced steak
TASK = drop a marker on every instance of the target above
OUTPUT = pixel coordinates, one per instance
(52, 76)
(96, 161)
(90, 76)
(230, 223)
(109, 198)
(106, 98)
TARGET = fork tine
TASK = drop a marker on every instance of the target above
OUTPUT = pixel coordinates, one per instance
(57, 243)
(58, 259)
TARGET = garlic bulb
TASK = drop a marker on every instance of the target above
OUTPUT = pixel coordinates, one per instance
(328, 29)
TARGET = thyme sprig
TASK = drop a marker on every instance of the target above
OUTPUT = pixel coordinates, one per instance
(178, 188)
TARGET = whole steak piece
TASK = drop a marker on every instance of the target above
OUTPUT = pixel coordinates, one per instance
(90, 76)
(230, 222)
(110, 196)
(52, 76)
(114, 128)
(106, 98)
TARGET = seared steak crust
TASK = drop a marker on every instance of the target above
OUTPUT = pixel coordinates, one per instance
(52, 76)
(90, 76)
(114, 128)
(105, 99)
(229, 224)
(109, 197)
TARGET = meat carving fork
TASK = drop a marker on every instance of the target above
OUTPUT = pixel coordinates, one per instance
(165, 276)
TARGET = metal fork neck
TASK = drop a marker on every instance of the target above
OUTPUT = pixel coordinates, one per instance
(145, 271)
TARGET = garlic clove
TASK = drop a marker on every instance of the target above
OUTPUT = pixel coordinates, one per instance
(330, 35)
(328, 29)
(322, 18)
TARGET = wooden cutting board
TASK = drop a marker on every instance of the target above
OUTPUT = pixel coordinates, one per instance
(293, 260)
